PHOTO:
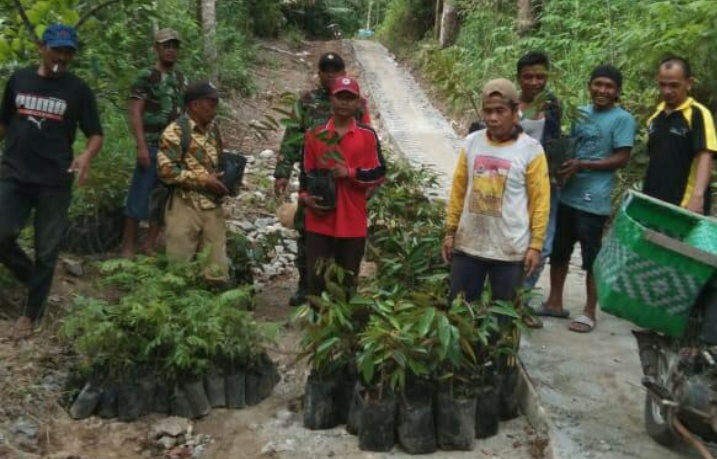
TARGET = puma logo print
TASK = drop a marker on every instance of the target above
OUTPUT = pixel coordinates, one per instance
(38, 122)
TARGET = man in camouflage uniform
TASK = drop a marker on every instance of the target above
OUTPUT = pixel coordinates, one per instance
(314, 109)
(194, 217)
(155, 101)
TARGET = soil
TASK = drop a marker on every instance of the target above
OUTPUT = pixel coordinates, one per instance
(32, 373)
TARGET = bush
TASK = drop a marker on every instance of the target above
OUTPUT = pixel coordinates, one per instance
(405, 23)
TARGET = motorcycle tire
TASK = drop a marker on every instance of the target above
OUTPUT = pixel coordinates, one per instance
(656, 423)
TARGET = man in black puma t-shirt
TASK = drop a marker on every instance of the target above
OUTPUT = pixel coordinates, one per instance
(41, 108)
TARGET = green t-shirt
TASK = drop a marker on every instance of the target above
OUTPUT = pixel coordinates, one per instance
(162, 95)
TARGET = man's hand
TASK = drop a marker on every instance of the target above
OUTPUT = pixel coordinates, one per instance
(696, 204)
(568, 169)
(447, 249)
(340, 171)
(143, 156)
(313, 203)
(531, 262)
(215, 186)
(81, 166)
(281, 185)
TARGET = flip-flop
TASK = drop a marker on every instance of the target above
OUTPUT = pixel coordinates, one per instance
(582, 324)
(545, 311)
(532, 321)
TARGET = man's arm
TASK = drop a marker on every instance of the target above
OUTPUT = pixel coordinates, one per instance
(373, 173)
(459, 187)
(135, 110)
(703, 176)
(705, 146)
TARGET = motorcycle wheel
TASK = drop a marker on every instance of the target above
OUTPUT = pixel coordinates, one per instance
(658, 419)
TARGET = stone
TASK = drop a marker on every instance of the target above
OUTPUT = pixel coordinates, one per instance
(24, 427)
(167, 442)
(245, 225)
(291, 246)
(73, 267)
(63, 455)
(267, 154)
(173, 426)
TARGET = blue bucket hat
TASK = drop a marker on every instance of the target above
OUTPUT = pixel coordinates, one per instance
(60, 36)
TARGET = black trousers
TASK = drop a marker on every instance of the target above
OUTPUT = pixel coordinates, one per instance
(51, 204)
(345, 252)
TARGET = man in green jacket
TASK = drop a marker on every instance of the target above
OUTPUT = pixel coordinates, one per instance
(314, 109)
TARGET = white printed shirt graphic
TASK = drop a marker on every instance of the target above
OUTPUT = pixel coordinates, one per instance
(40, 108)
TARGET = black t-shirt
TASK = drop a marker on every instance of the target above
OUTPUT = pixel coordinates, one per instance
(674, 141)
(41, 116)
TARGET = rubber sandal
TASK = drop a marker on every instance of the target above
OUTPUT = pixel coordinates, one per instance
(544, 311)
(532, 321)
(582, 324)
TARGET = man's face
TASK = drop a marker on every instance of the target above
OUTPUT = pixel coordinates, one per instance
(328, 76)
(345, 104)
(532, 80)
(673, 85)
(604, 92)
(204, 110)
(56, 60)
(499, 116)
(167, 52)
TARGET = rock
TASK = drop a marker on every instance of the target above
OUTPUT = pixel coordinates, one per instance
(279, 249)
(172, 426)
(291, 246)
(260, 195)
(62, 455)
(245, 225)
(181, 452)
(267, 154)
(273, 447)
(198, 451)
(73, 267)
(167, 442)
(284, 417)
(24, 427)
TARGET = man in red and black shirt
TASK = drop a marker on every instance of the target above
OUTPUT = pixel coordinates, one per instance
(350, 153)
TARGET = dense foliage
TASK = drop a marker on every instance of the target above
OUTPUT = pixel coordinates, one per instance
(115, 42)
(577, 35)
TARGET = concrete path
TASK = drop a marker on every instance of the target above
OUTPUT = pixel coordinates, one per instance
(415, 127)
(587, 387)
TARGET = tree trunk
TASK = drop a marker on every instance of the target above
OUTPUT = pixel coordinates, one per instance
(449, 24)
(437, 20)
(526, 16)
(209, 31)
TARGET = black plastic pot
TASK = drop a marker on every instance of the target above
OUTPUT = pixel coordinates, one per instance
(179, 405)
(455, 421)
(215, 387)
(108, 402)
(128, 400)
(416, 428)
(378, 424)
(343, 395)
(353, 420)
(261, 378)
(86, 401)
(319, 404)
(234, 385)
(160, 402)
(197, 398)
(96, 233)
(507, 384)
(487, 404)
(147, 388)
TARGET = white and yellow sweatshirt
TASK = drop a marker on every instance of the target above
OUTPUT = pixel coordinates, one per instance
(500, 198)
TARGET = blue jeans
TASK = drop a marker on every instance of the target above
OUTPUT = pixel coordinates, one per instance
(468, 275)
(530, 281)
(17, 201)
(144, 179)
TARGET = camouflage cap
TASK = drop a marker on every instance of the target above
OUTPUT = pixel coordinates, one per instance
(165, 35)
(505, 88)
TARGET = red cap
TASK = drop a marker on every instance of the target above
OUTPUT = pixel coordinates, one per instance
(346, 84)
